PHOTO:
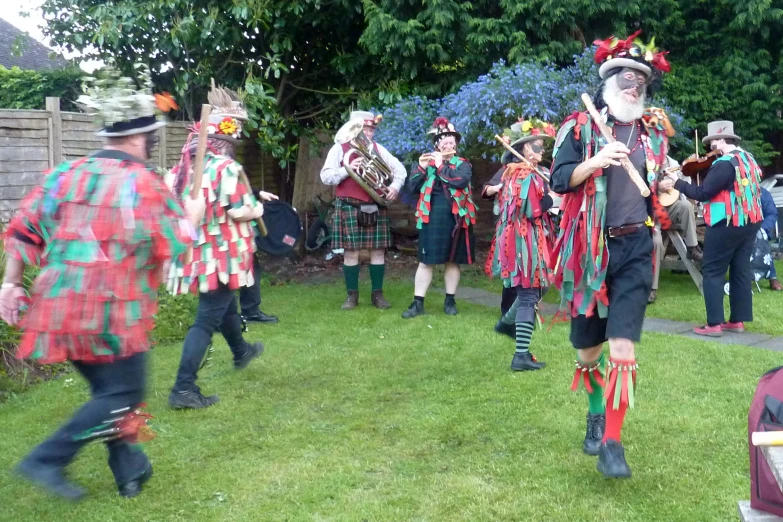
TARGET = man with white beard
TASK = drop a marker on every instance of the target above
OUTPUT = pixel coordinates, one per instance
(604, 252)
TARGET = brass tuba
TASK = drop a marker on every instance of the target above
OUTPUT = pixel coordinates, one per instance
(374, 175)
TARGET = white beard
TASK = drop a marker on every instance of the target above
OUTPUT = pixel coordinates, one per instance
(619, 106)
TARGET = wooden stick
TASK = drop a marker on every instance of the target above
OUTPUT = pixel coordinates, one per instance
(644, 190)
(198, 164)
(260, 221)
(521, 157)
(767, 438)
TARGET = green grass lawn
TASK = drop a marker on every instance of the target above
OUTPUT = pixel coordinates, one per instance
(678, 299)
(353, 416)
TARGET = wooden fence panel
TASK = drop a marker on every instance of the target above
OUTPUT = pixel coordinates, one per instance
(33, 141)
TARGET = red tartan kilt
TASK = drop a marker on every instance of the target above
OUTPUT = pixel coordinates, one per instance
(349, 235)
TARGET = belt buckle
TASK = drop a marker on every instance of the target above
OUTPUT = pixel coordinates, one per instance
(610, 232)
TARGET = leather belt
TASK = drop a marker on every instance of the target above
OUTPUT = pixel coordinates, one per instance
(623, 230)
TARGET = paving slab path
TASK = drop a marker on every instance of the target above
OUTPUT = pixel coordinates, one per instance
(651, 324)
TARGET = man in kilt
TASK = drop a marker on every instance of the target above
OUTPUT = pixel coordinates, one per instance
(359, 223)
(100, 228)
(445, 215)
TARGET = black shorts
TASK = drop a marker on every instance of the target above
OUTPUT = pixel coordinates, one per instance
(628, 282)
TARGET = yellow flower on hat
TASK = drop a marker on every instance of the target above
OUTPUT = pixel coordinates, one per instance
(228, 126)
(526, 126)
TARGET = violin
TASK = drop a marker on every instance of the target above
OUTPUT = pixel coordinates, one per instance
(695, 164)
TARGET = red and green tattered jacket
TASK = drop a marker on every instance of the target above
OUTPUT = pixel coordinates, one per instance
(223, 252)
(455, 175)
(581, 255)
(100, 227)
(741, 205)
(520, 251)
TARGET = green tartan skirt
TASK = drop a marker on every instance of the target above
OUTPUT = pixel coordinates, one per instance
(349, 235)
(436, 242)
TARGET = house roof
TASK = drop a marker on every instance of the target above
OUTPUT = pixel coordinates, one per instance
(35, 55)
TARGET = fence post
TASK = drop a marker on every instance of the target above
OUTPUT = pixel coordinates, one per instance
(55, 132)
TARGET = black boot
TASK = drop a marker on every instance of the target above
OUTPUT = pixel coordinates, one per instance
(260, 317)
(525, 361)
(253, 351)
(506, 329)
(611, 460)
(191, 400)
(596, 423)
(133, 488)
(450, 306)
(50, 478)
(415, 309)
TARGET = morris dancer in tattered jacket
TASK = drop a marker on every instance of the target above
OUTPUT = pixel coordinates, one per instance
(733, 215)
(604, 252)
(445, 215)
(222, 260)
(349, 230)
(520, 252)
(100, 228)
(491, 191)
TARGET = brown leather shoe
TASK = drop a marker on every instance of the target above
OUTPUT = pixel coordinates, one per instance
(352, 300)
(695, 254)
(378, 301)
(653, 295)
(775, 285)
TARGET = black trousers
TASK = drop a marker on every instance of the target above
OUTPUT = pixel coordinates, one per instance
(250, 296)
(507, 299)
(217, 310)
(628, 281)
(526, 300)
(728, 247)
(113, 386)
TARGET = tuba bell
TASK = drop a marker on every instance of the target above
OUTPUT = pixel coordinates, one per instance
(374, 175)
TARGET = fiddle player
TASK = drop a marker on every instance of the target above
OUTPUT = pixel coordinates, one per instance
(683, 220)
(732, 213)
(445, 215)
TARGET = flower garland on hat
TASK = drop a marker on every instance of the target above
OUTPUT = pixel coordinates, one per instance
(528, 128)
(634, 49)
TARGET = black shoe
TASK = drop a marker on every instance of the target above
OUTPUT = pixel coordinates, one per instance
(596, 423)
(450, 306)
(51, 478)
(133, 488)
(253, 351)
(506, 329)
(525, 361)
(192, 400)
(611, 460)
(260, 317)
(415, 309)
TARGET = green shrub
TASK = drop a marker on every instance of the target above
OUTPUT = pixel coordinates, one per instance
(175, 316)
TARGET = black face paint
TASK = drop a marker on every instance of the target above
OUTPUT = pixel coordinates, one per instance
(629, 78)
(152, 139)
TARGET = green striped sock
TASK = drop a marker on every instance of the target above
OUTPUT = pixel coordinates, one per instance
(524, 336)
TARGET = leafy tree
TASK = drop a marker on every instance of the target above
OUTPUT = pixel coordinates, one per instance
(299, 60)
(484, 107)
